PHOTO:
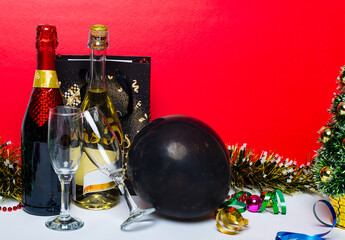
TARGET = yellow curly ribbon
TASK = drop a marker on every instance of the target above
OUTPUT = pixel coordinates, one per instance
(227, 217)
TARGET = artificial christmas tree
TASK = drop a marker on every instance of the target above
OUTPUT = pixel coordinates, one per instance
(329, 162)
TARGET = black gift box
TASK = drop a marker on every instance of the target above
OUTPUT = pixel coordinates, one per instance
(128, 84)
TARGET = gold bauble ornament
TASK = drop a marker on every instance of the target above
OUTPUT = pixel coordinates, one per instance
(341, 108)
(326, 134)
(326, 174)
(337, 98)
(342, 76)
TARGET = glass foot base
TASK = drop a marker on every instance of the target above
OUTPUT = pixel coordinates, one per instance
(136, 215)
(70, 224)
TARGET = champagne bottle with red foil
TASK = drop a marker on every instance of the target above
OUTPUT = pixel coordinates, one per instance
(41, 187)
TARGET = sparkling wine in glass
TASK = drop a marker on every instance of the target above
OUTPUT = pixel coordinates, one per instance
(65, 143)
(103, 149)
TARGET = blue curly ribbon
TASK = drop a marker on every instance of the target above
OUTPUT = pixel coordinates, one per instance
(302, 236)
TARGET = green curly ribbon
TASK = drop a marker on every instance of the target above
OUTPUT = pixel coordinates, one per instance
(271, 197)
(233, 202)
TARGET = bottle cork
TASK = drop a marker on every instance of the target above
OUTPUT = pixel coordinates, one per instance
(98, 37)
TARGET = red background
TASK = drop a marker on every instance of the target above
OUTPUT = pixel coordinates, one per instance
(258, 72)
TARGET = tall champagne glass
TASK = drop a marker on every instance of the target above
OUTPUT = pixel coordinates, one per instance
(65, 140)
(103, 149)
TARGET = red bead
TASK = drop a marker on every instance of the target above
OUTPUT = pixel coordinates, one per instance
(10, 209)
(0, 208)
(4, 209)
(14, 208)
(19, 206)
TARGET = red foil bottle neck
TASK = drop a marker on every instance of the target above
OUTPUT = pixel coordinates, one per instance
(45, 60)
(46, 43)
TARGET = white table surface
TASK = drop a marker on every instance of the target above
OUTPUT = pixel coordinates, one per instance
(106, 224)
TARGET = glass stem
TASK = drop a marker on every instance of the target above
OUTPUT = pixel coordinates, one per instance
(133, 208)
(65, 184)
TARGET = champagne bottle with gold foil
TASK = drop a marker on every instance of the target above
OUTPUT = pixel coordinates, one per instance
(41, 187)
(92, 189)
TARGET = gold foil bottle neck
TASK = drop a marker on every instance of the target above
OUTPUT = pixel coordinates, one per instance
(98, 37)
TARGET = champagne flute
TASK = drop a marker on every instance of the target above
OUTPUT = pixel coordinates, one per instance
(106, 153)
(65, 140)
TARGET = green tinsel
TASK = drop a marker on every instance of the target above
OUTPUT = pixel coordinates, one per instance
(331, 154)
(10, 172)
(268, 171)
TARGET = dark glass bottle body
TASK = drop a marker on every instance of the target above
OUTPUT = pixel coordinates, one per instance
(41, 187)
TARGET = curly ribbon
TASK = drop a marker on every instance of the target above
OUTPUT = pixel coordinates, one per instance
(233, 201)
(271, 198)
(229, 216)
(302, 236)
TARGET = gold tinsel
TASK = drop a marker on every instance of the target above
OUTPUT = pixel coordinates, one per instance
(10, 172)
(268, 171)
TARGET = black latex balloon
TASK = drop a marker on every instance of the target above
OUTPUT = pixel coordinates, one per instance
(180, 166)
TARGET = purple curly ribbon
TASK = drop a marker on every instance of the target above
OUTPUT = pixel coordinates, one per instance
(302, 236)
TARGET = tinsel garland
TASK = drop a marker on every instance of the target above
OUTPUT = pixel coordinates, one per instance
(268, 171)
(10, 172)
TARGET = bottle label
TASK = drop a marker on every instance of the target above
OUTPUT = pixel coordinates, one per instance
(92, 179)
(46, 79)
(96, 181)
